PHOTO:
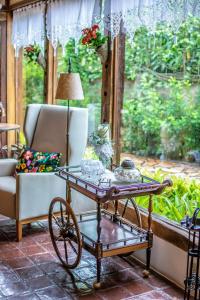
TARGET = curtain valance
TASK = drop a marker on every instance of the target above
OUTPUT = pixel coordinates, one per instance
(28, 26)
(134, 13)
(66, 19)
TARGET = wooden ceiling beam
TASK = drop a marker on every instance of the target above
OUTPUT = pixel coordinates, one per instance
(15, 4)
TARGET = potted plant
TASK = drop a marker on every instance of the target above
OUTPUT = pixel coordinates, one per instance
(93, 38)
(34, 54)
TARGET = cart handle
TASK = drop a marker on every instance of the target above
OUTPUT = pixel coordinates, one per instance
(115, 190)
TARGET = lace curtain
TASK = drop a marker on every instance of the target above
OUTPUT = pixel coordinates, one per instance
(66, 19)
(28, 26)
(135, 13)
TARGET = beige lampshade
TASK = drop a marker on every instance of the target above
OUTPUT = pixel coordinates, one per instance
(69, 87)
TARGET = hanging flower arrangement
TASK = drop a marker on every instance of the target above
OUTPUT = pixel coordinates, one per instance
(93, 38)
(33, 54)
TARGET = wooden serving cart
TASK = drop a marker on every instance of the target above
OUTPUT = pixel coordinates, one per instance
(100, 232)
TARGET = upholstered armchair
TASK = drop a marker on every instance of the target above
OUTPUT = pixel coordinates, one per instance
(26, 197)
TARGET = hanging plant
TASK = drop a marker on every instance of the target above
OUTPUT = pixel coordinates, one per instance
(93, 38)
(33, 54)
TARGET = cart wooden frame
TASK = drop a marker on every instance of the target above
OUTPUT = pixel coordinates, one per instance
(92, 230)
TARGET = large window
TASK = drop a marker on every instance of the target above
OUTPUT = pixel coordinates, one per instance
(88, 65)
(161, 112)
(33, 76)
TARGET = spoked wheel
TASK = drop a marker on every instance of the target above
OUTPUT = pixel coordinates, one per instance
(64, 232)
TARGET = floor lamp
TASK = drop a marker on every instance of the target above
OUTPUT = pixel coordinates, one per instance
(69, 88)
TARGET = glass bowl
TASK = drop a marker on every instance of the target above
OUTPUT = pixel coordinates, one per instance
(92, 169)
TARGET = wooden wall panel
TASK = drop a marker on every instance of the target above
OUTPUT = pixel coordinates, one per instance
(50, 75)
(11, 102)
(19, 89)
(13, 4)
(112, 91)
(3, 78)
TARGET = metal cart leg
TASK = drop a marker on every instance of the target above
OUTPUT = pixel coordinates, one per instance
(149, 236)
(97, 284)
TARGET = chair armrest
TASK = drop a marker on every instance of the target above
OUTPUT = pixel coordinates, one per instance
(7, 166)
(35, 192)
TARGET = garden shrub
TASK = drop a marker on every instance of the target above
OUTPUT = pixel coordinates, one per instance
(161, 113)
(175, 202)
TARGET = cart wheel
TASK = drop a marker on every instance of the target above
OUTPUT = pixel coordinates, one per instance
(145, 274)
(65, 233)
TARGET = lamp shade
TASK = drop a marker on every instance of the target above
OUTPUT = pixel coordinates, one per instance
(69, 87)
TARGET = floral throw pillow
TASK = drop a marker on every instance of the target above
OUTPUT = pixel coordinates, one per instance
(32, 161)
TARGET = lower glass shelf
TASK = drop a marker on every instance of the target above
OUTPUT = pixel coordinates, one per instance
(117, 235)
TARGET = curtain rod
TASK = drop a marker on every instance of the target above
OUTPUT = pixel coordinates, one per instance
(23, 3)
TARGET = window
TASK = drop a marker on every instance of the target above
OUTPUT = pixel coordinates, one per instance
(33, 76)
(88, 65)
(161, 112)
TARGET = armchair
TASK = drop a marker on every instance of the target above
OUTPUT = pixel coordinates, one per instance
(27, 197)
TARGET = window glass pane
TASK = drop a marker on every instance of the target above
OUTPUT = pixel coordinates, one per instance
(88, 65)
(161, 112)
(33, 76)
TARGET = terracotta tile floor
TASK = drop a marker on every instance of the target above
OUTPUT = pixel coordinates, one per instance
(30, 270)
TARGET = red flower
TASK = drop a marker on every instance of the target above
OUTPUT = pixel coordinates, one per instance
(85, 31)
(89, 36)
(29, 49)
(84, 41)
(94, 35)
(95, 27)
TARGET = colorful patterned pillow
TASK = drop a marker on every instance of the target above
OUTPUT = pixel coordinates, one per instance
(32, 161)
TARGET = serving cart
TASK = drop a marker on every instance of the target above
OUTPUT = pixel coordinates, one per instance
(101, 232)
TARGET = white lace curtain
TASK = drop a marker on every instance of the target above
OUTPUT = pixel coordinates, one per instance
(28, 26)
(66, 19)
(135, 13)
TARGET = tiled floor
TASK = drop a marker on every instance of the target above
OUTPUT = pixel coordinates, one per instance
(30, 270)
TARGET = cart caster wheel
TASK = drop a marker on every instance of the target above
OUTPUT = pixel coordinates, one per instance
(97, 285)
(145, 274)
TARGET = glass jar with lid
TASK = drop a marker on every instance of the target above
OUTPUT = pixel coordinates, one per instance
(127, 172)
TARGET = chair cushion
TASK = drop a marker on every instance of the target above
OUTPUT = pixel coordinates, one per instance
(7, 196)
(32, 161)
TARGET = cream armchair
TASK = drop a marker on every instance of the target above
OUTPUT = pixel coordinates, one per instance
(26, 198)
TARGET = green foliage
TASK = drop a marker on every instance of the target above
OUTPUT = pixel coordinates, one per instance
(175, 202)
(165, 51)
(87, 64)
(162, 113)
(33, 76)
(84, 61)
(31, 53)
(93, 37)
